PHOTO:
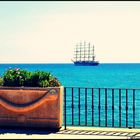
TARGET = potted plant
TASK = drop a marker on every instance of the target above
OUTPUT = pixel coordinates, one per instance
(30, 99)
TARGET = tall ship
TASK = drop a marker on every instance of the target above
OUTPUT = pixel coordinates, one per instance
(84, 55)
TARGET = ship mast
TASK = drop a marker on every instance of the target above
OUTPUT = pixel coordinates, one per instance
(89, 51)
(84, 50)
(93, 53)
(76, 50)
(80, 50)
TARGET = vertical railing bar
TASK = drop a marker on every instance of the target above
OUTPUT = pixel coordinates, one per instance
(85, 106)
(72, 108)
(126, 108)
(133, 108)
(79, 104)
(106, 107)
(65, 125)
(112, 107)
(92, 108)
(99, 107)
(119, 107)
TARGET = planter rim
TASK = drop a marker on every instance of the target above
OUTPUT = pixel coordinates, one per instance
(27, 88)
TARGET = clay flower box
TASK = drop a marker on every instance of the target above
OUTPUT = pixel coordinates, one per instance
(26, 102)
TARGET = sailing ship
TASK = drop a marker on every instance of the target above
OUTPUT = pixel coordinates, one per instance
(84, 55)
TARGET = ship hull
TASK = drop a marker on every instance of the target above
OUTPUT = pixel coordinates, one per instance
(86, 63)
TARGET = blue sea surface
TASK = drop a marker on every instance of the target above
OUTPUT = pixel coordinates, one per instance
(102, 76)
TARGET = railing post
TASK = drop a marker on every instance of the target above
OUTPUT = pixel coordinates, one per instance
(79, 103)
(120, 107)
(134, 108)
(92, 107)
(85, 106)
(106, 107)
(72, 108)
(112, 107)
(126, 108)
(65, 108)
(99, 106)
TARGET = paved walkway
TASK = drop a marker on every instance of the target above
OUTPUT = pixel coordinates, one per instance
(70, 133)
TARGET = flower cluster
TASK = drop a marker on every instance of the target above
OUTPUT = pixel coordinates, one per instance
(16, 77)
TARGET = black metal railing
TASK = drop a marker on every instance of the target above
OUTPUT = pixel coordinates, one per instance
(102, 107)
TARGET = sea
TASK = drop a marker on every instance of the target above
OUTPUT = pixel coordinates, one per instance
(105, 75)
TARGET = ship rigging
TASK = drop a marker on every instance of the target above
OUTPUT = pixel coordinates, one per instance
(84, 55)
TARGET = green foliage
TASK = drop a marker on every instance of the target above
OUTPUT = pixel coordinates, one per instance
(1, 81)
(41, 78)
(15, 77)
(54, 82)
(18, 77)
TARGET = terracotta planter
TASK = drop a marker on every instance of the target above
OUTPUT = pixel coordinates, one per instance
(31, 107)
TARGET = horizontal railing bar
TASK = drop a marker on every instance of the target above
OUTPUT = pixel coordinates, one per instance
(95, 106)
(104, 88)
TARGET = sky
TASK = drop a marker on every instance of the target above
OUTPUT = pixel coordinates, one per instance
(47, 31)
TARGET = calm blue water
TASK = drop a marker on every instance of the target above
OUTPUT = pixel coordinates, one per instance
(102, 76)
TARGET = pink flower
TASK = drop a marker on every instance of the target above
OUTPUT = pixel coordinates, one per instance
(16, 69)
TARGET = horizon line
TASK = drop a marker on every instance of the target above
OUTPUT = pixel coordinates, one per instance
(69, 63)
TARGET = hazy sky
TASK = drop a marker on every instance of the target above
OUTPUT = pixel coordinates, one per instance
(47, 32)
